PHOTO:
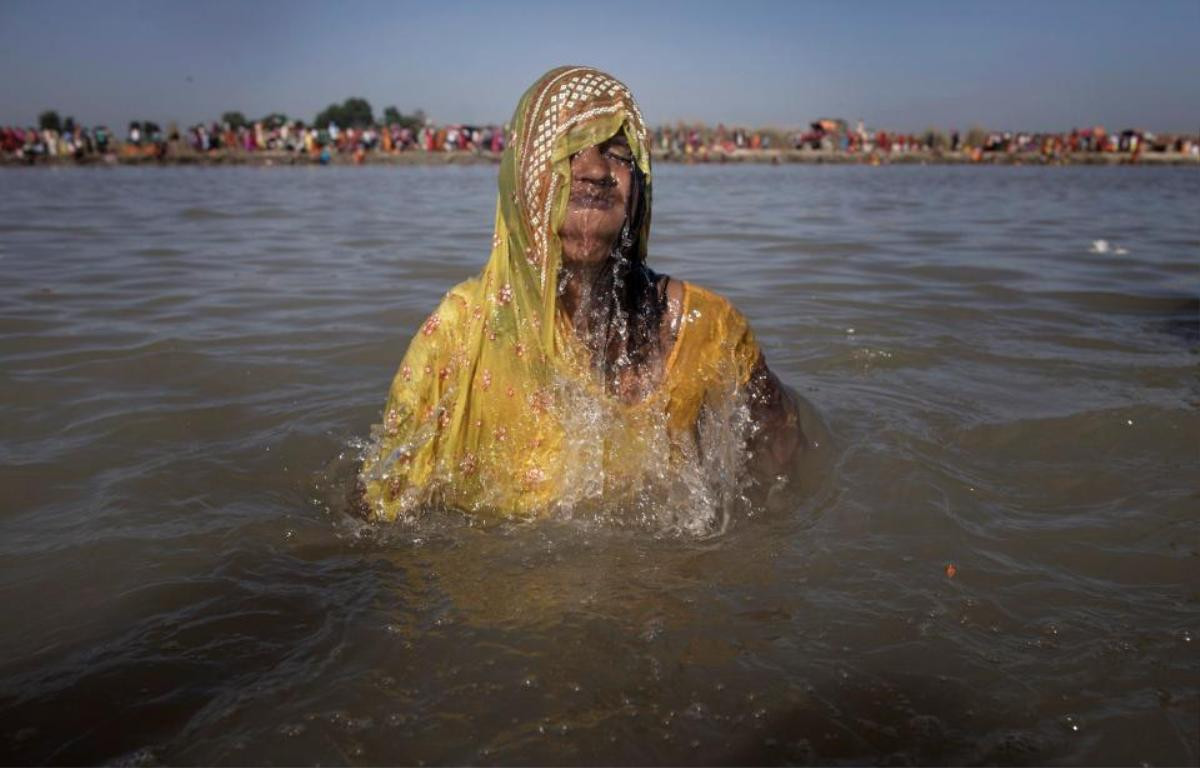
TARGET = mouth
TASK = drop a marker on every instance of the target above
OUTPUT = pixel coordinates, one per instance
(593, 199)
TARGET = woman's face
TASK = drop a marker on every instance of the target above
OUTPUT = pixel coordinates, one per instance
(601, 178)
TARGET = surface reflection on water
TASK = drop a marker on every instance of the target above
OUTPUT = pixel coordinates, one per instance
(190, 357)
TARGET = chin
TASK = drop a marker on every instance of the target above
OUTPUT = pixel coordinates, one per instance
(587, 247)
(597, 255)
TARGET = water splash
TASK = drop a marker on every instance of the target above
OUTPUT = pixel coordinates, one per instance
(665, 482)
(618, 466)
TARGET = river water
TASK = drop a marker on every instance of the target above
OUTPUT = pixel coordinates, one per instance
(190, 360)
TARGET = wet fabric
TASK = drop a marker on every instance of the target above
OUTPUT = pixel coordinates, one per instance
(496, 408)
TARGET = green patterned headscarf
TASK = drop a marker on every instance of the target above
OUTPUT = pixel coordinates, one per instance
(471, 419)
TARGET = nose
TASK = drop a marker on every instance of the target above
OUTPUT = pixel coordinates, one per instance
(589, 165)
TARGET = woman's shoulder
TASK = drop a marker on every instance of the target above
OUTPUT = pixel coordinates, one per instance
(463, 294)
(450, 316)
(457, 302)
(699, 302)
(714, 336)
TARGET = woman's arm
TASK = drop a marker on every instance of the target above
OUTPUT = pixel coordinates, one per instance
(777, 440)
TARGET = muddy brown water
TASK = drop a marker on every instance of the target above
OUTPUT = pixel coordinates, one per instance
(190, 359)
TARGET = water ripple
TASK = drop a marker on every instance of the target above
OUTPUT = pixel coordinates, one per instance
(189, 358)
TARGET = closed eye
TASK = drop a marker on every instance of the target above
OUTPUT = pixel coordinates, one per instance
(619, 155)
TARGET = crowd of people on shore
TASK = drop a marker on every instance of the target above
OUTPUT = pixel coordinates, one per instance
(681, 141)
(31, 144)
(835, 136)
(297, 137)
(292, 137)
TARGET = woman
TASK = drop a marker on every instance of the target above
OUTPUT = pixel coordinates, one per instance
(568, 371)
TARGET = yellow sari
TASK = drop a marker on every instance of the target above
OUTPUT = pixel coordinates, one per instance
(496, 409)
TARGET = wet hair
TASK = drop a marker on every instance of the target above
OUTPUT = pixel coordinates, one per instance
(632, 318)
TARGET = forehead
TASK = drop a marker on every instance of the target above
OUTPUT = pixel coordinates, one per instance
(566, 99)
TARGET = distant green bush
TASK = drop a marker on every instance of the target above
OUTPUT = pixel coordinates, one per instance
(354, 112)
(49, 121)
(392, 116)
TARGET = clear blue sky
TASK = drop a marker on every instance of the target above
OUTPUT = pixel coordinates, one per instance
(901, 65)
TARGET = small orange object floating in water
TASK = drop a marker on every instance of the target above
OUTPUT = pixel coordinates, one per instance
(951, 569)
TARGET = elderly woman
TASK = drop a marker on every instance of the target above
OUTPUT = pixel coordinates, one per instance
(568, 371)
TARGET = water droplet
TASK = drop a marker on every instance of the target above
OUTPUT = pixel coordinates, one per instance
(396, 719)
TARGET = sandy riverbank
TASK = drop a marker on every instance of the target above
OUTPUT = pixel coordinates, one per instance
(762, 156)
